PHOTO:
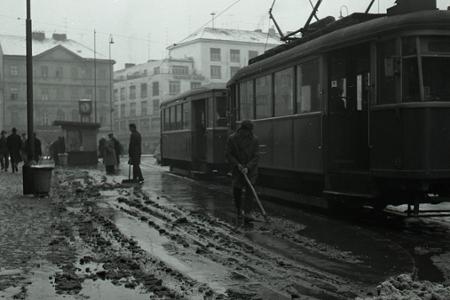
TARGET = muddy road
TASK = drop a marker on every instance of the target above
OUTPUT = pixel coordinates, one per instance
(174, 238)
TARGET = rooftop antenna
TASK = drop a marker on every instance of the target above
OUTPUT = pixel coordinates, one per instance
(213, 14)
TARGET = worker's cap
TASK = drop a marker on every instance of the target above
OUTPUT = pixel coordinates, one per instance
(247, 124)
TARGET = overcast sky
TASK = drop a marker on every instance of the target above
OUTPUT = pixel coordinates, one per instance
(142, 29)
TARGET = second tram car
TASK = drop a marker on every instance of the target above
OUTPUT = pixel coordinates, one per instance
(359, 110)
(194, 129)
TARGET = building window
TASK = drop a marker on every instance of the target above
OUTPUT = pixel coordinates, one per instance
(156, 70)
(246, 100)
(235, 55)
(155, 88)
(132, 92)
(216, 72)
(59, 72)
(195, 85)
(102, 94)
(132, 109)
(308, 87)
(214, 54)
(44, 71)
(144, 92)
(14, 71)
(156, 106)
(284, 92)
(263, 95)
(144, 108)
(14, 92)
(122, 110)
(252, 54)
(122, 94)
(116, 111)
(44, 94)
(116, 95)
(74, 72)
(174, 87)
(233, 71)
(180, 70)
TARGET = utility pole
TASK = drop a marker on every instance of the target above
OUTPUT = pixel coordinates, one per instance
(212, 19)
(111, 41)
(95, 76)
(30, 119)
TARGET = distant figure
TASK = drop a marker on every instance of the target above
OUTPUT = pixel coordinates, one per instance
(36, 156)
(4, 153)
(117, 148)
(134, 153)
(56, 148)
(109, 156)
(101, 147)
(242, 153)
(14, 143)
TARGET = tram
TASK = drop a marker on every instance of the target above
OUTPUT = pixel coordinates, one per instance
(194, 129)
(356, 109)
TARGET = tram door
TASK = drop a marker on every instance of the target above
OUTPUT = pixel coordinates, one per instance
(199, 129)
(348, 99)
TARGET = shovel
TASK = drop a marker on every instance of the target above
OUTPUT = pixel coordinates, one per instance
(129, 180)
(261, 207)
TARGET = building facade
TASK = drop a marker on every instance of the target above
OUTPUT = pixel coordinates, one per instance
(63, 73)
(139, 90)
(219, 53)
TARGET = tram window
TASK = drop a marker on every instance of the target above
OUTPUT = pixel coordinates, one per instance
(263, 94)
(308, 87)
(284, 92)
(409, 46)
(436, 74)
(172, 125)
(221, 112)
(411, 88)
(166, 119)
(179, 114)
(186, 115)
(389, 72)
(210, 114)
(246, 100)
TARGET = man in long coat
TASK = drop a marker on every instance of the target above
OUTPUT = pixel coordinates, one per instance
(243, 154)
(4, 152)
(14, 143)
(134, 153)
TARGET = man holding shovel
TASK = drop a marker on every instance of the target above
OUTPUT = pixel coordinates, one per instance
(242, 154)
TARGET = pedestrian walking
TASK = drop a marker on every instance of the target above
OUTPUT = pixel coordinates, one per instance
(14, 143)
(242, 153)
(134, 153)
(4, 152)
(109, 156)
(117, 148)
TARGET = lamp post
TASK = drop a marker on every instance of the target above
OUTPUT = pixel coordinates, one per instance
(29, 83)
(111, 41)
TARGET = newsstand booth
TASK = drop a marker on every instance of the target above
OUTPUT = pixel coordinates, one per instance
(80, 142)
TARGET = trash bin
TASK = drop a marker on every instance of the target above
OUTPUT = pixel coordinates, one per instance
(62, 159)
(42, 178)
(27, 176)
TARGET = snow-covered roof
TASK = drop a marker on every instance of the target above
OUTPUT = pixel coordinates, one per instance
(231, 35)
(16, 45)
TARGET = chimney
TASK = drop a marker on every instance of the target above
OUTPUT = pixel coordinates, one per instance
(59, 36)
(129, 65)
(38, 35)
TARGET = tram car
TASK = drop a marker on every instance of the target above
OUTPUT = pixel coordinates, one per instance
(194, 129)
(358, 109)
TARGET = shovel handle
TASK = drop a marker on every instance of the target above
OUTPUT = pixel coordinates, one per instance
(261, 207)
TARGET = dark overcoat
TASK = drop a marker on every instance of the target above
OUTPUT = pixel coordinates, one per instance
(243, 149)
(134, 148)
(14, 143)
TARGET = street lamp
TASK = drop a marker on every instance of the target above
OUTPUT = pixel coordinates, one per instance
(111, 41)
(29, 54)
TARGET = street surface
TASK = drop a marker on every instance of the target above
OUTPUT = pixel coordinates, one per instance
(174, 238)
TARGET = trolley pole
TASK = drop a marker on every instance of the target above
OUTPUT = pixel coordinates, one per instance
(30, 121)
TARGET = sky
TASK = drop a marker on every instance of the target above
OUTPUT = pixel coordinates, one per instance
(142, 29)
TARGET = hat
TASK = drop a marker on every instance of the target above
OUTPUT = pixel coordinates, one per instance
(247, 124)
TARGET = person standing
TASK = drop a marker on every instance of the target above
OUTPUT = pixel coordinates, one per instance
(109, 156)
(14, 143)
(134, 153)
(36, 156)
(4, 153)
(101, 147)
(117, 148)
(242, 152)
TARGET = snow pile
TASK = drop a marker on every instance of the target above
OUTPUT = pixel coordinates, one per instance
(403, 287)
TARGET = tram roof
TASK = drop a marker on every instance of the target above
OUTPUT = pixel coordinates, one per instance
(354, 34)
(207, 88)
